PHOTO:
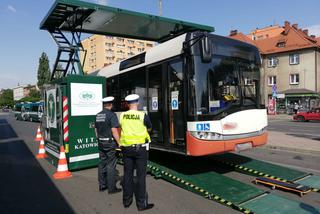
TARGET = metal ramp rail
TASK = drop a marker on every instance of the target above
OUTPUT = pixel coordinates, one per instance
(198, 176)
(254, 167)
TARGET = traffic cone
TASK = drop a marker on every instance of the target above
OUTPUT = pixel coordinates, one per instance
(38, 136)
(62, 171)
(42, 151)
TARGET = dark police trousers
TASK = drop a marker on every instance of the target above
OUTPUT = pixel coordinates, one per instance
(107, 164)
(135, 158)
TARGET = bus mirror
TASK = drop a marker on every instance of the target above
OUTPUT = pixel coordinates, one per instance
(205, 49)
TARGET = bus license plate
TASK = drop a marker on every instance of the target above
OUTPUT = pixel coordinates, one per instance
(243, 146)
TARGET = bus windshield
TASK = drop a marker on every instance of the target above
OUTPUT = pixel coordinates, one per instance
(227, 84)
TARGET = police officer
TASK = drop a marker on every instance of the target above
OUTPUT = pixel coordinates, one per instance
(134, 143)
(108, 138)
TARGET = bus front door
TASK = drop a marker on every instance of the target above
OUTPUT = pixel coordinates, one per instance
(175, 104)
(155, 99)
(165, 105)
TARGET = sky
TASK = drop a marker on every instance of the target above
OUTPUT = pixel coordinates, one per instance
(21, 41)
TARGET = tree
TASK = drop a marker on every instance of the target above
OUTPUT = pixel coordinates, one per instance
(6, 98)
(44, 73)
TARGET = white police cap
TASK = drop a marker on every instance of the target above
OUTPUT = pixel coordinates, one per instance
(107, 99)
(132, 98)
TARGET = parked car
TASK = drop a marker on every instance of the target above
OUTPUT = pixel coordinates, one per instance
(5, 109)
(313, 114)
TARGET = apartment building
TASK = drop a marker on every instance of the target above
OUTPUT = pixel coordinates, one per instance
(20, 92)
(290, 65)
(106, 50)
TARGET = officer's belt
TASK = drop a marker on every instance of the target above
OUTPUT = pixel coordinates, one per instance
(104, 139)
(137, 145)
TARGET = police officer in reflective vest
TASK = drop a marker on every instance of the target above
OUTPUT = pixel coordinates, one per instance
(134, 143)
(106, 128)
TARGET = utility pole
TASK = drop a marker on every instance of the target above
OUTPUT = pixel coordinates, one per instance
(160, 7)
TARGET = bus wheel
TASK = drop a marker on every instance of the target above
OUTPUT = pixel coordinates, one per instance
(301, 118)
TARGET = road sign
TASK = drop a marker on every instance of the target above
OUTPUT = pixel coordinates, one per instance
(154, 104)
(174, 104)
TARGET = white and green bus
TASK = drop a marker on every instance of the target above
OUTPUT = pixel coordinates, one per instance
(29, 111)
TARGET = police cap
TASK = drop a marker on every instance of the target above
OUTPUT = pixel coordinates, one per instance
(108, 99)
(132, 98)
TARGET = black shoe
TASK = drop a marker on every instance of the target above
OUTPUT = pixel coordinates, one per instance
(116, 190)
(126, 205)
(149, 206)
(101, 189)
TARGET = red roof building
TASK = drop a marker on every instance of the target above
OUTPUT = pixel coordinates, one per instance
(290, 60)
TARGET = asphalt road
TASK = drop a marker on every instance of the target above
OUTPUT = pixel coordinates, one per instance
(27, 186)
(309, 129)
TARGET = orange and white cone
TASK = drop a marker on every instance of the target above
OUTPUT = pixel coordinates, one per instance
(42, 152)
(38, 136)
(62, 171)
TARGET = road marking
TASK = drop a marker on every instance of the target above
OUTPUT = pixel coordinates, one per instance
(8, 140)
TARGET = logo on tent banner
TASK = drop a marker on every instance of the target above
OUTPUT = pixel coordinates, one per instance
(86, 96)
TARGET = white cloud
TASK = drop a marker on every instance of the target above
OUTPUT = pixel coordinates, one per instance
(102, 2)
(11, 8)
(314, 30)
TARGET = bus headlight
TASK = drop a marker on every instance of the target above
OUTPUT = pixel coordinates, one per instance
(207, 135)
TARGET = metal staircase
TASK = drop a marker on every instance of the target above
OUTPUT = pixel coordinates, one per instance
(68, 60)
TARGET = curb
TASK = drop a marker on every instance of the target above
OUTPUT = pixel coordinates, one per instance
(290, 149)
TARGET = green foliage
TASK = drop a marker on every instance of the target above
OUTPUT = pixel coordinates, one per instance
(35, 93)
(29, 99)
(6, 98)
(44, 73)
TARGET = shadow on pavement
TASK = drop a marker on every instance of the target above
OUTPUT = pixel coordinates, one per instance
(24, 185)
(6, 131)
(187, 165)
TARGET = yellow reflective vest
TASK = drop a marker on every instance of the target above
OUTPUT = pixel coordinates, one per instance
(133, 130)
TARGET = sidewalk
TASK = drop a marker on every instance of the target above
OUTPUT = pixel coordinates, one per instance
(282, 141)
(280, 117)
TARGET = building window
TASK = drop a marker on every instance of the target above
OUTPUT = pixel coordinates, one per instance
(294, 59)
(120, 46)
(248, 81)
(149, 45)
(272, 62)
(272, 80)
(109, 44)
(141, 43)
(294, 79)
(281, 44)
(130, 41)
(140, 49)
(120, 39)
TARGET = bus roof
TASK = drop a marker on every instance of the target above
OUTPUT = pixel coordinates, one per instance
(79, 16)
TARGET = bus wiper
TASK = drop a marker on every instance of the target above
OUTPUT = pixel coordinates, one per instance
(196, 39)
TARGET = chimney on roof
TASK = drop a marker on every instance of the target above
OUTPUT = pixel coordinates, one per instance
(295, 26)
(306, 32)
(286, 23)
(233, 32)
(313, 36)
